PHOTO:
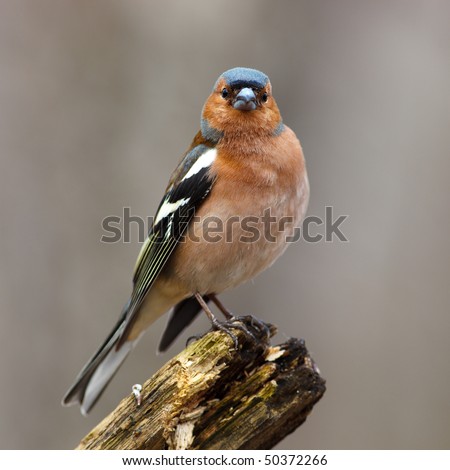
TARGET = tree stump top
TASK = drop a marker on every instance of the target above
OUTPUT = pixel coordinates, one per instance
(211, 396)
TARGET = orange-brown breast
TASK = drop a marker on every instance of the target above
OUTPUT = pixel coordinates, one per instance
(252, 176)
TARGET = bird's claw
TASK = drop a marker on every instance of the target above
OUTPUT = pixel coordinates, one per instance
(266, 329)
(240, 323)
(192, 339)
(226, 328)
(262, 326)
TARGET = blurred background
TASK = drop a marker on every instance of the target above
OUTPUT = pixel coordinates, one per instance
(98, 101)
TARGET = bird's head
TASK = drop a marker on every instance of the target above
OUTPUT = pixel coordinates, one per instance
(241, 101)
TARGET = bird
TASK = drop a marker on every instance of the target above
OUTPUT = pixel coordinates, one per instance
(244, 165)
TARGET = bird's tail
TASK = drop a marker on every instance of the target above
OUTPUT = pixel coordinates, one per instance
(182, 316)
(100, 369)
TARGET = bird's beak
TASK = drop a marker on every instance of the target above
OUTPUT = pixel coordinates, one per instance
(245, 100)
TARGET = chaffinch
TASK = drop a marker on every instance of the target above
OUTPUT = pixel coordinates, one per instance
(245, 166)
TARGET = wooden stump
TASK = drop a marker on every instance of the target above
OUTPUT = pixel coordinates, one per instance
(211, 396)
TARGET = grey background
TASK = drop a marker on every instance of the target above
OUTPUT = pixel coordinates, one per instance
(99, 99)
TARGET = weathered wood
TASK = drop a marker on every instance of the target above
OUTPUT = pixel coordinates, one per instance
(211, 396)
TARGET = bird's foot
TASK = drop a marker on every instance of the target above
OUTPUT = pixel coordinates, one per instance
(261, 328)
(226, 327)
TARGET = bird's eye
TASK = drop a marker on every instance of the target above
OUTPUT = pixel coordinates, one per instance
(265, 97)
(224, 93)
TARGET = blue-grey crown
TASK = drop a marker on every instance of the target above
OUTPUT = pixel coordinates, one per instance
(241, 77)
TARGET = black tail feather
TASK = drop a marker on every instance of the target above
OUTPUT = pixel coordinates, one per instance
(182, 316)
(99, 370)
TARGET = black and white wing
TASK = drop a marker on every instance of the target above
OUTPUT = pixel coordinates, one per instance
(190, 184)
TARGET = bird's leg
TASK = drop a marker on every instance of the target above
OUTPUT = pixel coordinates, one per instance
(226, 313)
(215, 323)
